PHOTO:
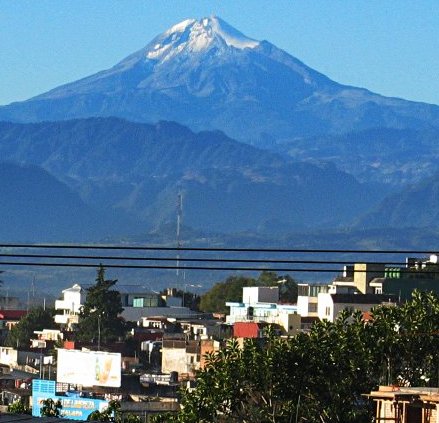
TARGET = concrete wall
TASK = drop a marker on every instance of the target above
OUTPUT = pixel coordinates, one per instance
(174, 360)
(260, 294)
(8, 356)
(326, 303)
(290, 322)
(305, 305)
(364, 273)
(325, 308)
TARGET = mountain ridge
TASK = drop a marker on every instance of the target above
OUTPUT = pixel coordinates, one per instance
(228, 186)
(257, 95)
(36, 207)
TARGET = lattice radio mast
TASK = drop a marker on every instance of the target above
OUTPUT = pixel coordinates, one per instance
(179, 220)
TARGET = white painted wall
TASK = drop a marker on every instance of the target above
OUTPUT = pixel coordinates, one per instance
(260, 294)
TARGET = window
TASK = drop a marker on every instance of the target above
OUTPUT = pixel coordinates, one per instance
(302, 290)
(138, 302)
(327, 311)
(312, 307)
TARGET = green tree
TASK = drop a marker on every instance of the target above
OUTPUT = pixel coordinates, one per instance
(51, 408)
(287, 285)
(98, 320)
(38, 318)
(113, 414)
(18, 407)
(230, 290)
(407, 339)
(319, 376)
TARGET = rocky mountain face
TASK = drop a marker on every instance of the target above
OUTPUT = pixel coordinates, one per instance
(339, 148)
(207, 75)
(394, 157)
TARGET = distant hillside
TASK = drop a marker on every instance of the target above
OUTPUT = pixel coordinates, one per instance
(37, 207)
(416, 206)
(227, 186)
(396, 157)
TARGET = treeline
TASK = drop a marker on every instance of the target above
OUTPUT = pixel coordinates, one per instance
(320, 376)
(230, 290)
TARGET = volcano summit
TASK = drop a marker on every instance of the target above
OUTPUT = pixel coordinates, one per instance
(207, 75)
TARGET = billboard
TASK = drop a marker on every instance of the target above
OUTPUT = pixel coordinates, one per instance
(74, 406)
(89, 368)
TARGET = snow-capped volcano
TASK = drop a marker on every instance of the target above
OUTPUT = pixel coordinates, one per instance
(192, 36)
(207, 75)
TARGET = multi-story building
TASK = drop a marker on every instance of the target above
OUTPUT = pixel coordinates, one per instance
(331, 305)
(363, 286)
(205, 329)
(179, 355)
(70, 306)
(420, 274)
(260, 304)
(307, 298)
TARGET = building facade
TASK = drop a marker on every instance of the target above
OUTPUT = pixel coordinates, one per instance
(261, 305)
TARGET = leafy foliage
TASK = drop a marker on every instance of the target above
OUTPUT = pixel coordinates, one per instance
(38, 318)
(319, 376)
(100, 311)
(51, 408)
(113, 414)
(231, 290)
(18, 407)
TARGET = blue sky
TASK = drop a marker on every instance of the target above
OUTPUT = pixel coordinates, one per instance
(389, 47)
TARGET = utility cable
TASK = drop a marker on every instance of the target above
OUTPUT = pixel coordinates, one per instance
(208, 249)
(198, 259)
(132, 266)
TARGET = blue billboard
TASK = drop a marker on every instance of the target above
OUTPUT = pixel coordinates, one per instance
(75, 405)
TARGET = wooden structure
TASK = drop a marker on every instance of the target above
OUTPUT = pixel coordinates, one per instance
(406, 405)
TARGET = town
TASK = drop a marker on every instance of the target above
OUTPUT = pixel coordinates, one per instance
(219, 211)
(104, 350)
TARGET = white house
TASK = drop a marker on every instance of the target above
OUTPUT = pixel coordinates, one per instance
(70, 306)
(331, 305)
(307, 298)
(261, 304)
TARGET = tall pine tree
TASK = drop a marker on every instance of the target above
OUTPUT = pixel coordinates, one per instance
(99, 321)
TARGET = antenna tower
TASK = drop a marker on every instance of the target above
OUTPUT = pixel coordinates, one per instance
(179, 219)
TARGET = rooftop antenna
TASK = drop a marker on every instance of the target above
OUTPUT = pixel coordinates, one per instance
(33, 288)
(179, 219)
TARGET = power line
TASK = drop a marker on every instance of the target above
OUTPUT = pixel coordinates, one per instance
(268, 261)
(234, 268)
(197, 259)
(215, 249)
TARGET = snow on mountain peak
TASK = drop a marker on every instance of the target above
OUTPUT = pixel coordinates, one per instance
(196, 36)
